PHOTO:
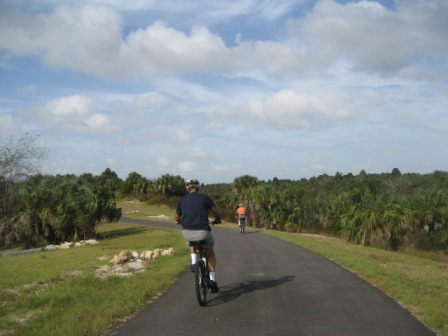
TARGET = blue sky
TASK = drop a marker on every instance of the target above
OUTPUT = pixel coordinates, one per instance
(218, 89)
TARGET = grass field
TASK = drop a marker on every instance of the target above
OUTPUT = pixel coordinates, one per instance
(57, 293)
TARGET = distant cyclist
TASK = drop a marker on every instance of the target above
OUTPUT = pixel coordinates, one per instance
(192, 213)
(241, 216)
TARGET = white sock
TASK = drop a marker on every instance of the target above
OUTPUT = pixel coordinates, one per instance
(193, 258)
(212, 276)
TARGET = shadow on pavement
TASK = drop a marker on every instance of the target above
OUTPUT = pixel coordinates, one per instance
(233, 291)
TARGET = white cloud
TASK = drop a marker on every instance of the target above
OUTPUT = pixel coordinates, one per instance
(98, 122)
(89, 38)
(200, 153)
(86, 38)
(72, 113)
(288, 109)
(187, 167)
(375, 39)
(151, 101)
(182, 136)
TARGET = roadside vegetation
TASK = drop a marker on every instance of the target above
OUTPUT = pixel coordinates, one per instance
(388, 210)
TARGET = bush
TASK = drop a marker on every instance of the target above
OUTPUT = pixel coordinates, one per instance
(430, 241)
(169, 201)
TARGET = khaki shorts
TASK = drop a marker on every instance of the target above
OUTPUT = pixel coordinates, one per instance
(198, 235)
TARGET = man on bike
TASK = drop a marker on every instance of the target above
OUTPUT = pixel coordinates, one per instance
(192, 213)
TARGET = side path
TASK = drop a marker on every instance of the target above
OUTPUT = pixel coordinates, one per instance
(272, 287)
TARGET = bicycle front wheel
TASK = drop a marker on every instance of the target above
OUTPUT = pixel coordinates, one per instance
(200, 282)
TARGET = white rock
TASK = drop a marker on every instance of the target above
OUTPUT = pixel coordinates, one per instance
(157, 252)
(168, 252)
(121, 258)
(148, 255)
(137, 265)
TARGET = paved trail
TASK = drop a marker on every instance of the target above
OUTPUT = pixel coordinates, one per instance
(272, 287)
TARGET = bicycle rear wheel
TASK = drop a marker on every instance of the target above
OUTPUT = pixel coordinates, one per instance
(243, 226)
(200, 282)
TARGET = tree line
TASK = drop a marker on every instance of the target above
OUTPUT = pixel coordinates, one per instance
(388, 210)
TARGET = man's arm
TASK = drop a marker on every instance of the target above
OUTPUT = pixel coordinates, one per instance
(217, 216)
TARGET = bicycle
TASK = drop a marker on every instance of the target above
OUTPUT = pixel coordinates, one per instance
(242, 225)
(201, 273)
(200, 269)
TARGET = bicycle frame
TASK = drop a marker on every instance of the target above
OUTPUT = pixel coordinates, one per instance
(201, 273)
(242, 225)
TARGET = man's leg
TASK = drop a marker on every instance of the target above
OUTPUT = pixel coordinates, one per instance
(193, 258)
(212, 267)
(211, 259)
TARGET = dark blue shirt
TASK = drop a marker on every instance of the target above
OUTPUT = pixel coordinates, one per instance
(194, 210)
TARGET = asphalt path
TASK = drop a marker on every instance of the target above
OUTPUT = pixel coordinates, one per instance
(272, 287)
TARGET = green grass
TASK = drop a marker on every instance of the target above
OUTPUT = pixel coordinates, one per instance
(56, 292)
(136, 209)
(418, 282)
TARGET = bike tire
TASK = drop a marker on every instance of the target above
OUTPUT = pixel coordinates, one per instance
(243, 226)
(200, 282)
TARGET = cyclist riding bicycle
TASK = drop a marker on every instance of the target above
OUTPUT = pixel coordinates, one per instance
(192, 213)
(241, 215)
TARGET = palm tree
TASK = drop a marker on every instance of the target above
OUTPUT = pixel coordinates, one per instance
(349, 224)
(393, 224)
(170, 185)
(368, 224)
(243, 183)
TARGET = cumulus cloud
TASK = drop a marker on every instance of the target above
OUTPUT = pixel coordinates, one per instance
(72, 113)
(288, 109)
(86, 38)
(89, 38)
(364, 34)
(160, 49)
(373, 38)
